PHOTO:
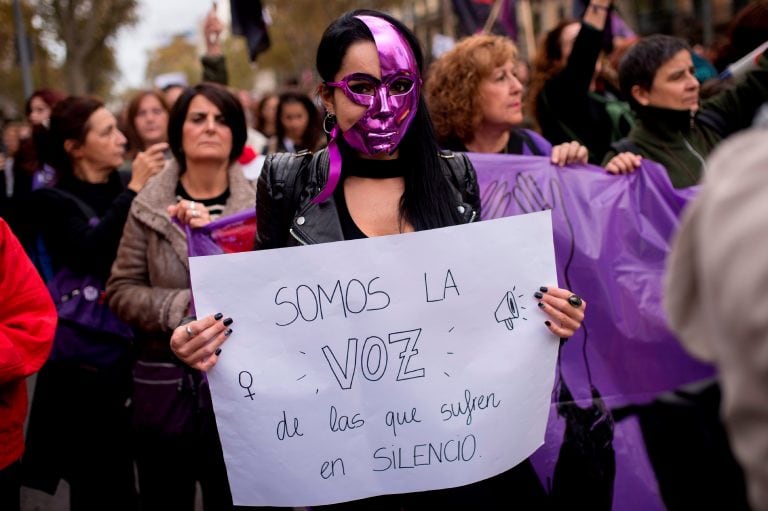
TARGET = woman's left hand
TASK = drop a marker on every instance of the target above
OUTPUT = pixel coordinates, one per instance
(190, 212)
(569, 152)
(565, 310)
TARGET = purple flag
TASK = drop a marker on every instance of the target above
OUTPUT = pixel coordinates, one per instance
(248, 21)
(612, 235)
(508, 18)
(473, 14)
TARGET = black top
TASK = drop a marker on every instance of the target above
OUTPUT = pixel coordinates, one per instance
(348, 226)
(70, 238)
(517, 140)
(376, 169)
(214, 205)
(567, 110)
(353, 165)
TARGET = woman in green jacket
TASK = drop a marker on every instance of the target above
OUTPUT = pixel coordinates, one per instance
(673, 127)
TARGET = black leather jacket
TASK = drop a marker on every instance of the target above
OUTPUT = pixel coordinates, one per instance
(286, 215)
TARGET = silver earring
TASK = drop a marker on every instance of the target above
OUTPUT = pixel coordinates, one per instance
(329, 122)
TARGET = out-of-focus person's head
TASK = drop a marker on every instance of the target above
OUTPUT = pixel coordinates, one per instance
(146, 120)
(556, 45)
(266, 114)
(39, 105)
(747, 30)
(371, 66)
(12, 137)
(474, 83)
(172, 85)
(84, 133)
(246, 100)
(172, 92)
(658, 71)
(298, 119)
(244, 97)
(523, 71)
(206, 122)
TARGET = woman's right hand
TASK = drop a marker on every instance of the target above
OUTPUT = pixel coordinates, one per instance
(146, 164)
(624, 163)
(569, 152)
(212, 30)
(197, 343)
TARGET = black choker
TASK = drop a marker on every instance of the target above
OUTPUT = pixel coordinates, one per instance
(375, 169)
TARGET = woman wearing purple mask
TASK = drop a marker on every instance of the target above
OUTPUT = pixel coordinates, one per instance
(382, 173)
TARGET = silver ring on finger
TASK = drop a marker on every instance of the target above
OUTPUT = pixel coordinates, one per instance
(195, 213)
(192, 205)
(189, 331)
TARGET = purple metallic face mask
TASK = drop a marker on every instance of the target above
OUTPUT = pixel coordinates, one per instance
(392, 101)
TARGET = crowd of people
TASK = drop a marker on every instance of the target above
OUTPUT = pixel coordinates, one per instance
(112, 197)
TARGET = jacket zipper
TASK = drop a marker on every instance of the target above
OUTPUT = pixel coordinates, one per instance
(296, 236)
(696, 154)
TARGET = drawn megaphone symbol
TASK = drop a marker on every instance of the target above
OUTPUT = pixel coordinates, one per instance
(507, 310)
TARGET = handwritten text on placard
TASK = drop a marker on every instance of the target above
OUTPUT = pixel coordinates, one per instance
(388, 365)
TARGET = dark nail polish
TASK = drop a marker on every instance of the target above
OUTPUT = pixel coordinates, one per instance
(543, 289)
(217, 352)
(541, 305)
(228, 332)
(227, 321)
(218, 316)
(538, 295)
(548, 323)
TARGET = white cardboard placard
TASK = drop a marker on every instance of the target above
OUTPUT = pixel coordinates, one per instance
(387, 365)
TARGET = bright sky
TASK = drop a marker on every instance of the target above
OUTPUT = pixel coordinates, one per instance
(159, 20)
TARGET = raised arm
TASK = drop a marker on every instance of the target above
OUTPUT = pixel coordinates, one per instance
(214, 62)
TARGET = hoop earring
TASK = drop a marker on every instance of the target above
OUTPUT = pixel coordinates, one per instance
(328, 123)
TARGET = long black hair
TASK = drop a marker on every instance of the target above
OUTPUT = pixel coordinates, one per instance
(428, 201)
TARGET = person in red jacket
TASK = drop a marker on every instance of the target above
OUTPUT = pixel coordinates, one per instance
(27, 324)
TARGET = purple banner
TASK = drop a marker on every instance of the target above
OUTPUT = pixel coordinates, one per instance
(612, 235)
